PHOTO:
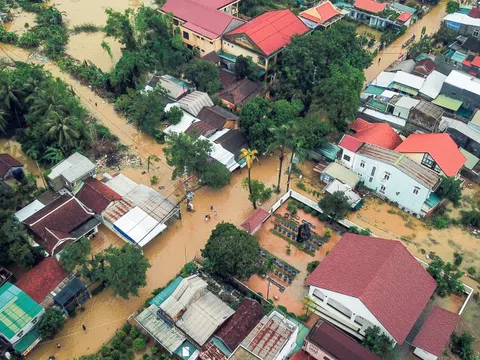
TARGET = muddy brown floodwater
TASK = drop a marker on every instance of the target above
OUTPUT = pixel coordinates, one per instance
(431, 21)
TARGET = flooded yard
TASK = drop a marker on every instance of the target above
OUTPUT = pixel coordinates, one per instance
(14, 149)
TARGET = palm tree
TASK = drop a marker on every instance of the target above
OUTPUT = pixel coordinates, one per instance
(298, 151)
(59, 128)
(282, 135)
(250, 156)
(3, 121)
(44, 102)
(10, 93)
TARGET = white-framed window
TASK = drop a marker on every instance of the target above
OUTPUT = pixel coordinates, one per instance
(416, 189)
(476, 32)
(382, 189)
(362, 164)
(346, 157)
(386, 176)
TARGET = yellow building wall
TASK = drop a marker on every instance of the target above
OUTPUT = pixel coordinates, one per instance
(418, 157)
(205, 45)
(235, 50)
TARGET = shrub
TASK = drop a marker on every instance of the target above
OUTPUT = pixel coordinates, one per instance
(441, 222)
(461, 345)
(50, 323)
(327, 232)
(154, 350)
(292, 208)
(308, 209)
(145, 356)
(312, 266)
(127, 327)
(115, 355)
(134, 332)
(189, 269)
(282, 309)
(458, 258)
(470, 218)
(139, 343)
(303, 317)
(128, 341)
(119, 344)
(131, 354)
(315, 213)
(174, 115)
(301, 186)
(105, 351)
(154, 180)
(121, 334)
(471, 270)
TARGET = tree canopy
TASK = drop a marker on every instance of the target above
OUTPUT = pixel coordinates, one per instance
(258, 191)
(204, 74)
(447, 277)
(450, 189)
(452, 7)
(245, 68)
(75, 254)
(50, 323)
(335, 206)
(377, 342)
(231, 252)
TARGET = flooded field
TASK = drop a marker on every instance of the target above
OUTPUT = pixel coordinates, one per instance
(361, 29)
(391, 53)
(22, 22)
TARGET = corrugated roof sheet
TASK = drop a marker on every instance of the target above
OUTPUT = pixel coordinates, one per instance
(194, 102)
(165, 293)
(189, 290)
(433, 84)
(410, 80)
(447, 102)
(464, 81)
(370, 6)
(72, 168)
(343, 174)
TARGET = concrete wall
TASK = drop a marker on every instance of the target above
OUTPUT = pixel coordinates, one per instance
(401, 112)
(355, 305)
(237, 50)
(425, 355)
(345, 162)
(316, 352)
(398, 188)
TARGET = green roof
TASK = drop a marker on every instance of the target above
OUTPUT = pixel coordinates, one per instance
(422, 56)
(226, 56)
(28, 341)
(165, 293)
(17, 309)
(458, 56)
(221, 346)
(404, 8)
(374, 90)
(404, 88)
(472, 160)
(329, 151)
(186, 350)
(447, 102)
(302, 333)
(433, 200)
(377, 105)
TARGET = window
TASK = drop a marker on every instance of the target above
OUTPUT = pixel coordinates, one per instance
(318, 294)
(339, 307)
(186, 35)
(370, 180)
(262, 61)
(346, 157)
(20, 334)
(416, 189)
(386, 176)
(362, 164)
(202, 38)
(190, 46)
(476, 32)
(34, 321)
(175, 22)
(382, 189)
(373, 171)
(428, 161)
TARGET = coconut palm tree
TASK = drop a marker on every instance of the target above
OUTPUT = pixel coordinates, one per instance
(282, 135)
(10, 93)
(44, 102)
(298, 151)
(3, 121)
(59, 128)
(250, 156)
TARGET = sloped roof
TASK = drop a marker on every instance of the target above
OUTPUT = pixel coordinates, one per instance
(464, 81)
(194, 102)
(95, 195)
(200, 128)
(56, 221)
(42, 279)
(233, 140)
(200, 18)
(214, 4)
(337, 343)
(474, 13)
(72, 168)
(350, 143)
(425, 66)
(436, 330)
(380, 134)
(410, 80)
(320, 14)
(247, 315)
(216, 116)
(440, 147)
(240, 92)
(255, 220)
(6, 163)
(389, 281)
(433, 84)
(302, 355)
(347, 176)
(272, 30)
(370, 6)
(405, 16)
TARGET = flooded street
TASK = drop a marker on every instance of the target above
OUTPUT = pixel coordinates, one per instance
(431, 21)
(87, 46)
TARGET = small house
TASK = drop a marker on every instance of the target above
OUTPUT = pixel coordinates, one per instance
(424, 116)
(73, 295)
(10, 167)
(335, 171)
(255, 221)
(321, 16)
(218, 117)
(241, 92)
(462, 87)
(67, 173)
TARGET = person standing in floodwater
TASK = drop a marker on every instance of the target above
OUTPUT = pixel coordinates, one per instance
(84, 328)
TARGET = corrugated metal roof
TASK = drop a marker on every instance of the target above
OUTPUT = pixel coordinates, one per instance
(384, 79)
(189, 290)
(472, 160)
(165, 293)
(29, 210)
(166, 335)
(204, 317)
(72, 168)
(463, 81)
(407, 102)
(194, 102)
(413, 81)
(433, 84)
(447, 102)
(343, 174)
(416, 171)
(121, 184)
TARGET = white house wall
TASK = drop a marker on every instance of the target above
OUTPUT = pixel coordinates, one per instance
(425, 355)
(399, 188)
(348, 163)
(289, 346)
(355, 305)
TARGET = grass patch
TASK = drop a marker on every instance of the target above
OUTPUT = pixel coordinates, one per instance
(86, 28)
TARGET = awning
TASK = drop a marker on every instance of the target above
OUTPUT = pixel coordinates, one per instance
(472, 160)
(328, 151)
(374, 90)
(28, 342)
(447, 102)
(405, 89)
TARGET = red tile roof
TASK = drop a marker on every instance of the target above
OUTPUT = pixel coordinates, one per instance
(55, 221)
(425, 66)
(337, 343)
(380, 134)
(272, 30)
(247, 315)
(436, 330)
(6, 163)
(240, 92)
(201, 128)
(302, 355)
(255, 220)
(323, 12)
(441, 148)
(476, 61)
(200, 18)
(214, 4)
(211, 352)
(350, 143)
(42, 279)
(389, 281)
(96, 195)
(370, 6)
(404, 17)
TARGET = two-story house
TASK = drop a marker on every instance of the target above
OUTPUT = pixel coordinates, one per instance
(367, 281)
(70, 172)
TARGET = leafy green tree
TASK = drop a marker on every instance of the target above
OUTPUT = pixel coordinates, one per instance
(123, 269)
(453, 7)
(75, 254)
(470, 218)
(121, 26)
(445, 35)
(335, 206)
(231, 252)
(424, 45)
(311, 266)
(186, 154)
(377, 342)
(462, 345)
(214, 175)
(447, 277)
(50, 323)
(258, 191)
(255, 123)
(204, 74)
(174, 115)
(11, 92)
(245, 68)
(450, 189)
